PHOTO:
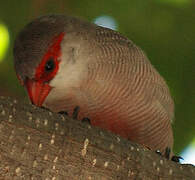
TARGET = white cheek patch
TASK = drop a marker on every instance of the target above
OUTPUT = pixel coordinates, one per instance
(68, 75)
(73, 66)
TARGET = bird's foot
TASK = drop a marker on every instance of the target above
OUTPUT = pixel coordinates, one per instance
(167, 155)
(75, 114)
(176, 158)
(158, 152)
(63, 113)
(86, 120)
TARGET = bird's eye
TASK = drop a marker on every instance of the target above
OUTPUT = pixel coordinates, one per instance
(50, 65)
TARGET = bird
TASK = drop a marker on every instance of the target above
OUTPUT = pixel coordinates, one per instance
(65, 62)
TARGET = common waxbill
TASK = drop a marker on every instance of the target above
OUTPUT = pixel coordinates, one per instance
(65, 63)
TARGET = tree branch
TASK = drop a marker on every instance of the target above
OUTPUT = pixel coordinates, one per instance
(38, 144)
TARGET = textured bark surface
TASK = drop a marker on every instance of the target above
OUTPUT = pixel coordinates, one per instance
(38, 144)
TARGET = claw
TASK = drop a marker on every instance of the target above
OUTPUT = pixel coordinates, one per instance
(173, 158)
(176, 158)
(75, 115)
(167, 153)
(63, 113)
(86, 120)
(75, 112)
(158, 152)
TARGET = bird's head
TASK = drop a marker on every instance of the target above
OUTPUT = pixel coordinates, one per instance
(45, 52)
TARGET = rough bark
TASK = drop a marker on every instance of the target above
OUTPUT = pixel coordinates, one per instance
(38, 144)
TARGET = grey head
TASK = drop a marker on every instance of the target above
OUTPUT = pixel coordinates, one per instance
(33, 41)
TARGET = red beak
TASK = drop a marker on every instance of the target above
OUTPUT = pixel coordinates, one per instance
(37, 91)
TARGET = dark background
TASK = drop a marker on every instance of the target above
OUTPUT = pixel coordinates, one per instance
(164, 29)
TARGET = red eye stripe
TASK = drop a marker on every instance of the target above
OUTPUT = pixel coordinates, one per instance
(53, 52)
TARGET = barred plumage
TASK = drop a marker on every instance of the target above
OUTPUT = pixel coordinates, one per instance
(104, 73)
